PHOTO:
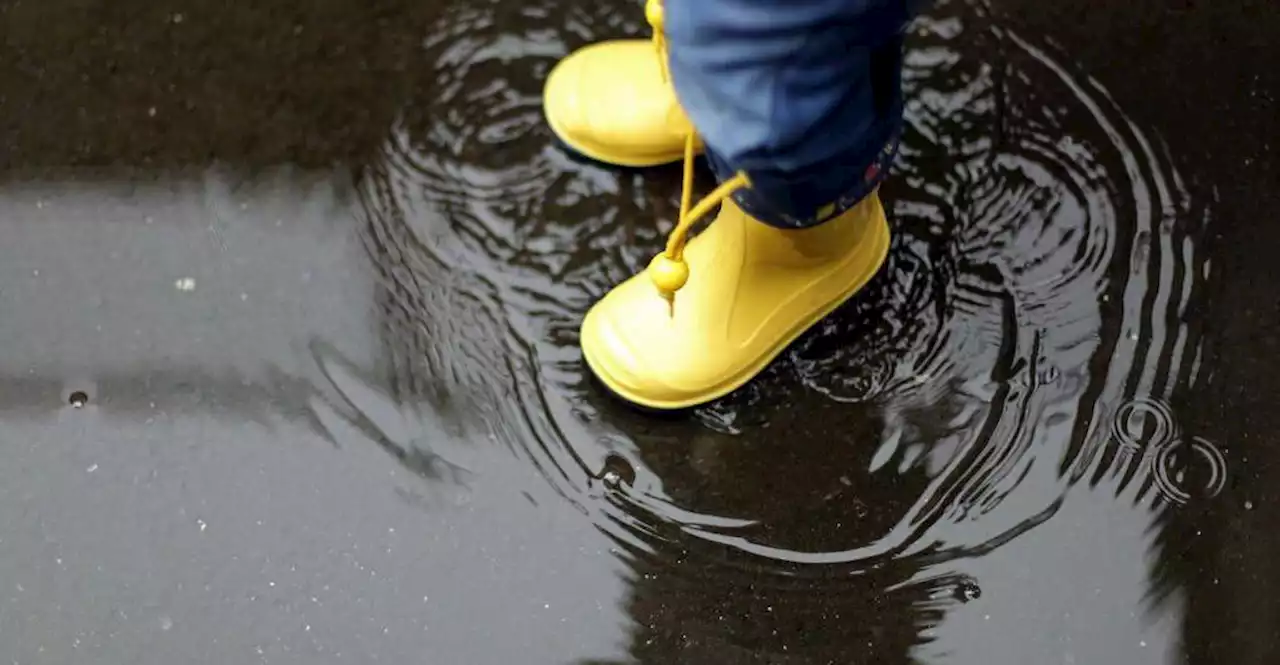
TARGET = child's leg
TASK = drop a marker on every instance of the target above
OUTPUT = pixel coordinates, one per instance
(805, 97)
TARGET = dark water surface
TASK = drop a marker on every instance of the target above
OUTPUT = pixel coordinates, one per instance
(290, 294)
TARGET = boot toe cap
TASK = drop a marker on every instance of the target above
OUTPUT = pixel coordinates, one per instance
(621, 367)
(638, 367)
(562, 97)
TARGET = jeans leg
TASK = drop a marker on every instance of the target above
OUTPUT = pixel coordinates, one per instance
(803, 95)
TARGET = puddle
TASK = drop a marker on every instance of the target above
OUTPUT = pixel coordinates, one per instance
(298, 380)
(1015, 359)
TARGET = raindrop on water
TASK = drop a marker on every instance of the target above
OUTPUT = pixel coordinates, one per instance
(78, 399)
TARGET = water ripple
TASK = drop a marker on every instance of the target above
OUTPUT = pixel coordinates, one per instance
(1044, 257)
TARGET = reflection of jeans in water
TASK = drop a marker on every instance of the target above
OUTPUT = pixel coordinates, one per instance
(803, 95)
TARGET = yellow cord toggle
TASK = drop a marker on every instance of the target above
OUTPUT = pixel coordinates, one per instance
(668, 271)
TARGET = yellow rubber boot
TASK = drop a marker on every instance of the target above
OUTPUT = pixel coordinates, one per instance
(705, 318)
(613, 101)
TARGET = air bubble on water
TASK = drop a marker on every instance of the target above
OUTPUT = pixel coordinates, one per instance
(617, 472)
(968, 591)
(166, 623)
(1248, 505)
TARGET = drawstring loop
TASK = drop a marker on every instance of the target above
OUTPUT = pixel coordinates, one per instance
(668, 271)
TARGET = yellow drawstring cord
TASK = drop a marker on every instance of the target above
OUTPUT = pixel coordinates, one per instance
(668, 270)
(654, 13)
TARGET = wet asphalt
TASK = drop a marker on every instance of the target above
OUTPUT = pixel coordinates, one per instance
(184, 255)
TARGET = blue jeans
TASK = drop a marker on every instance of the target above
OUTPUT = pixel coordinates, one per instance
(805, 96)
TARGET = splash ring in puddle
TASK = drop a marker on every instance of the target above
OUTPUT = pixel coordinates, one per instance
(1132, 418)
(1171, 471)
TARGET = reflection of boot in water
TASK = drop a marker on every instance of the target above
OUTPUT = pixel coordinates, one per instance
(804, 602)
(613, 101)
(800, 140)
(696, 612)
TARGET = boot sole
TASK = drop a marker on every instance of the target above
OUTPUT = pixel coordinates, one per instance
(582, 153)
(578, 155)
